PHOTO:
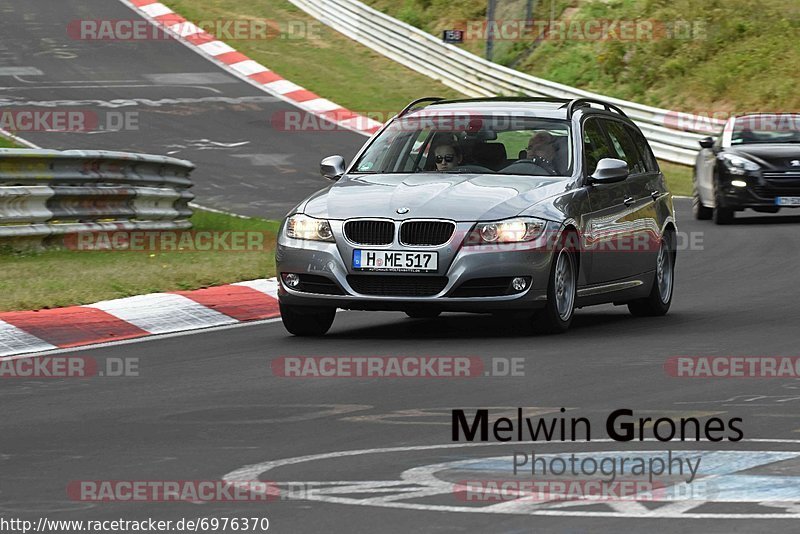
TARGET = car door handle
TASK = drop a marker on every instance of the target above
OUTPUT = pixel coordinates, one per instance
(628, 201)
(655, 194)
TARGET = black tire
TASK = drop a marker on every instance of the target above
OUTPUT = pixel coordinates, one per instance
(421, 314)
(659, 300)
(700, 212)
(306, 320)
(556, 317)
(722, 215)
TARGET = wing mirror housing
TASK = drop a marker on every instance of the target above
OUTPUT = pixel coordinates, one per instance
(332, 167)
(609, 171)
(706, 142)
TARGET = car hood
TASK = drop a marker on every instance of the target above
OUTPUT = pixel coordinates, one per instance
(776, 156)
(460, 197)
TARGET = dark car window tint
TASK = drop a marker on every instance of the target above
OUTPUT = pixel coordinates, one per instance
(625, 148)
(595, 145)
(650, 163)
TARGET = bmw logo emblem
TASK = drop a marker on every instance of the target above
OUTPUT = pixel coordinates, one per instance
(402, 211)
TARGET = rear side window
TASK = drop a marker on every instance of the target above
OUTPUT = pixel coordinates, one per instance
(595, 145)
(625, 147)
(650, 163)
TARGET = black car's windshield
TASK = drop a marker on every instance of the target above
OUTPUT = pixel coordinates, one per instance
(766, 128)
(426, 142)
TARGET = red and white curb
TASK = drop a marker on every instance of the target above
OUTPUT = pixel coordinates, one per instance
(24, 332)
(255, 73)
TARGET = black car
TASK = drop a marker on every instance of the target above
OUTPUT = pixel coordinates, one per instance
(754, 163)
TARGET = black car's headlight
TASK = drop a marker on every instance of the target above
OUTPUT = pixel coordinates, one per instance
(516, 230)
(738, 164)
(301, 226)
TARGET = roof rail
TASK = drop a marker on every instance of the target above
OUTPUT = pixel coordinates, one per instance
(509, 99)
(587, 102)
(418, 101)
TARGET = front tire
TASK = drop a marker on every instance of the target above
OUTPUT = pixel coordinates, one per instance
(306, 320)
(659, 300)
(701, 212)
(722, 215)
(556, 317)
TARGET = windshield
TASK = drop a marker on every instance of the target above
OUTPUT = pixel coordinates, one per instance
(467, 143)
(766, 128)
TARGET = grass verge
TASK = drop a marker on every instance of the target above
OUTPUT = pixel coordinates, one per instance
(8, 143)
(679, 177)
(714, 56)
(53, 278)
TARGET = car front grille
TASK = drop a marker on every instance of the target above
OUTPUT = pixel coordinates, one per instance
(370, 232)
(397, 286)
(426, 233)
(782, 175)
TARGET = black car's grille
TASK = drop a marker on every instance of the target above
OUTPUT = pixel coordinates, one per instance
(782, 175)
(368, 232)
(428, 233)
(311, 283)
(483, 287)
(397, 286)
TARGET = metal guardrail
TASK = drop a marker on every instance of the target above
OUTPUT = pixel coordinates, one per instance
(49, 193)
(476, 77)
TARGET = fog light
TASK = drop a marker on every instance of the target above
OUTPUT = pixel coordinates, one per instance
(519, 283)
(739, 183)
(291, 280)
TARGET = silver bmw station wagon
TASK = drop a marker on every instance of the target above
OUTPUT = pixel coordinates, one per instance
(530, 206)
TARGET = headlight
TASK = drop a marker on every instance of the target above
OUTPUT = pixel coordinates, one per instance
(738, 164)
(508, 231)
(301, 226)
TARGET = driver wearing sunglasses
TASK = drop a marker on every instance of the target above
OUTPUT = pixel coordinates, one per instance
(447, 157)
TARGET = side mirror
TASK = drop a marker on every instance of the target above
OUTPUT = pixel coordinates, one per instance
(332, 167)
(706, 142)
(609, 171)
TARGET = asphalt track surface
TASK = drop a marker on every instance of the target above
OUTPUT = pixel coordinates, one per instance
(182, 104)
(206, 404)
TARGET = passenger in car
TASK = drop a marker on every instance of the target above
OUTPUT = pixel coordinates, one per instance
(542, 151)
(447, 157)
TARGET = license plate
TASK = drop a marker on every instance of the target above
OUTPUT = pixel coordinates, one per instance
(395, 260)
(787, 201)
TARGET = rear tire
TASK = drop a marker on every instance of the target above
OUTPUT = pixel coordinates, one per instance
(701, 213)
(657, 303)
(423, 314)
(307, 320)
(562, 287)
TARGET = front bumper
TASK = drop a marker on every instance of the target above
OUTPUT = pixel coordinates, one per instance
(457, 264)
(760, 192)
